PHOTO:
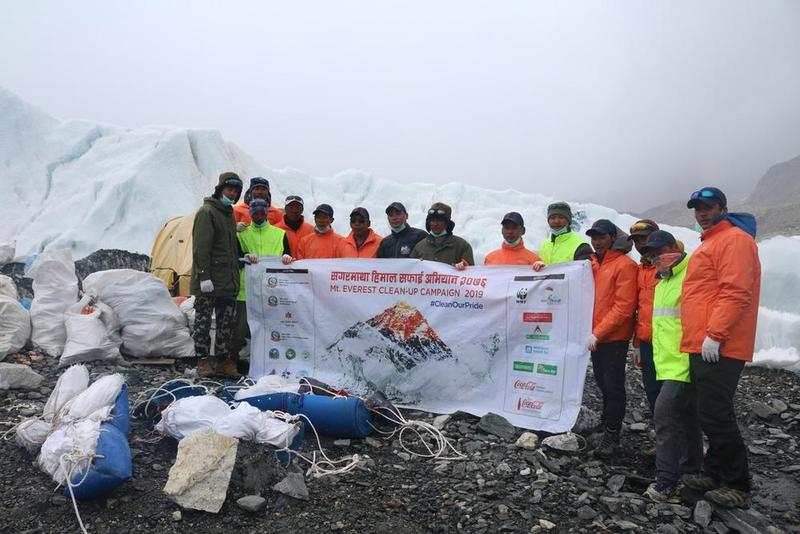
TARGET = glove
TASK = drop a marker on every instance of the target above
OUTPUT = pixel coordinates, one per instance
(538, 266)
(240, 226)
(286, 259)
(252, 258)
(592, 343)
(206, 286)
(710, 350)
(460, 266)
(637, 358)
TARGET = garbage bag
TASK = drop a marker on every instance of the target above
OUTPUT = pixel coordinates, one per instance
(7, 252)
(55, 288)
(91, 333)
(151, 324)
(8, 288)
(15, 326)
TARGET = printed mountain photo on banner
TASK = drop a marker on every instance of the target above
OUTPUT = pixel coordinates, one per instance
(395, 341)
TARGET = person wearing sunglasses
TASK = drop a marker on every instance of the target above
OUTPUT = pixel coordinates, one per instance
(718, 315)
(441, 245)
(323, 242)
(362, 242)
(562, 245)
(642, 346)
(403, 237)
(612, 327)
(512, 251)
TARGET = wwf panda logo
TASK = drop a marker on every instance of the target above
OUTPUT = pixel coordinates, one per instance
(522, 295)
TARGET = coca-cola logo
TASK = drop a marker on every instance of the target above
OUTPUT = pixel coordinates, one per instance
(530, 385)
(529, 404)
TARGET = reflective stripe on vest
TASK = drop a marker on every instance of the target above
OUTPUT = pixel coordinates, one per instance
(666, 312)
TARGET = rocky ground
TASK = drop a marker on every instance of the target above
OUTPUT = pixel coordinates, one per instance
(499, 488)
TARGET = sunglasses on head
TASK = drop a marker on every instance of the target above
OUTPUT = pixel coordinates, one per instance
(642, 227)
(703, 193)
(439, 212)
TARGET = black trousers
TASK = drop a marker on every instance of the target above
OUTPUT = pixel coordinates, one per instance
(608, 364)
(715, 384)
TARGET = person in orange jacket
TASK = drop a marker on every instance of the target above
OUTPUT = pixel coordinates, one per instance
(719, 308)
(512, 251)
(612, 327)
(362, 242)
(259, 188)
(643, 334)
(293, 222)
(324, 241)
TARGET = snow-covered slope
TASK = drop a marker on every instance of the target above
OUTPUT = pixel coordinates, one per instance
(86, 186)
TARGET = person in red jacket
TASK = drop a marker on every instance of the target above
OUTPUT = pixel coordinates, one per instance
(612, 328)
(719, 309)
(512, 251)
(643, 334)
(323, 242)
(362, 242)
(293, 222)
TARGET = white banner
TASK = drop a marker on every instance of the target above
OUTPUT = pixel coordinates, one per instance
(500, 339)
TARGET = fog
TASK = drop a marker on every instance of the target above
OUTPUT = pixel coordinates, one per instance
(628, 104)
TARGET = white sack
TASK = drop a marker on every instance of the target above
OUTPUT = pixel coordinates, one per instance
(7, 252)
(190, 414)
(267, 385)
(55, 287)
(90, 337)
(187, 308)
(249, 423)
(8, 288)
(73, 381)
(151, 323)
(15, 326)
(97, 400)
(31, 433)
(77, 440)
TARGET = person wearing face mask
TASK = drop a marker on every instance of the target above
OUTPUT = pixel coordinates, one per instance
(440, 244)
(215, 272)
(260, 238)
(324, 242)
(259, 188)
(679, 441)
(718, 314)
(562, 245)
(293, 222)
(612, 327)
(403, 238)
(362, 242)
(512, 251)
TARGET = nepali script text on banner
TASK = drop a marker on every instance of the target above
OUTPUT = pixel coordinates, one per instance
(500, 339)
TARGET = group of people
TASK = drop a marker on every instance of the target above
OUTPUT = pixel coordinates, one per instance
(690, 319)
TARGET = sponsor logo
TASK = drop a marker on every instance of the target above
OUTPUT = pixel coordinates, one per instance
(550, 296)
(522, 295)
(272, 300)
(530, 385)
(540, 333)
(306, 355)
(272, 281)
(290, 354)
(525, 367)
(535, 349)
(537, 317)
(546, 369)
(288, 316)
(275, 335)
(529, 404)
(405, 250)
(274, 354)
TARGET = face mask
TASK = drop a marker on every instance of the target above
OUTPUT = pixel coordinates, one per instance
(321, 230)
(398, 229)
(698, 228)
(665, 262)
(260, 225)
(440, 234)
(562, 231)
(513, 243)
(226, 201)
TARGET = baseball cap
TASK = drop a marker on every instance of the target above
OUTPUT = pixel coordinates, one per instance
(710, 196)
(513, 217)
(293, 198)
(396, 206)
(643, 227)
(602, 227)
(258, 181)
(324, 208)
(658, 239)
(360, 212)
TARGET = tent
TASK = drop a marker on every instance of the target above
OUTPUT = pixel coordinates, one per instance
(172, 254)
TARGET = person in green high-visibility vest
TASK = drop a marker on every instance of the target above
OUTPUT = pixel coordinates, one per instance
(679, 440)
(562, 245)
(260, 238)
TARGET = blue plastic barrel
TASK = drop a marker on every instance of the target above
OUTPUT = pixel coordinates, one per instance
(112, 467)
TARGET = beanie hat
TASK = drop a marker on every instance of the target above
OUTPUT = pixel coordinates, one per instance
(228, 179)
(259, 182)
(560, 208)
(440, 210)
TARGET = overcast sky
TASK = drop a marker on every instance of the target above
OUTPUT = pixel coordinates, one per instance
(622, 103)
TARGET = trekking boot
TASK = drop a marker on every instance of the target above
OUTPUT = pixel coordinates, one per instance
(700, 482)
(661, 492)
(228, 369)
(608, 444)
(728, 497)
(206, 368)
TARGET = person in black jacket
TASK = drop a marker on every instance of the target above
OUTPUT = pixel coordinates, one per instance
(403, 238)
